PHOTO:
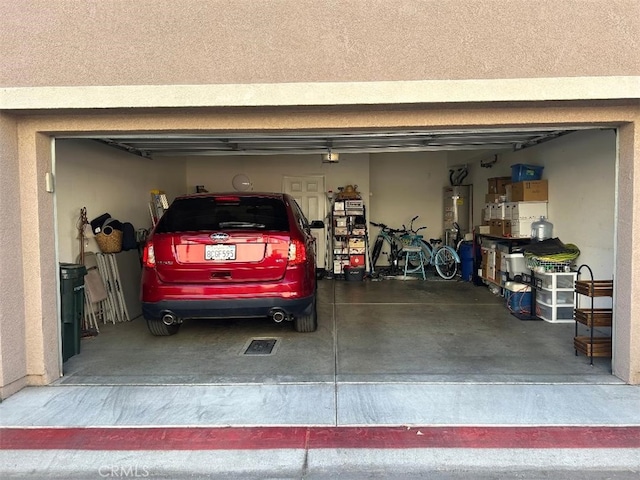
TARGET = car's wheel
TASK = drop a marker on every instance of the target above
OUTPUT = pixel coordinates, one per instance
(160, 329)
(308, 321)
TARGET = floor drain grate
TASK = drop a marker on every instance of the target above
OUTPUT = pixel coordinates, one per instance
(260, 346)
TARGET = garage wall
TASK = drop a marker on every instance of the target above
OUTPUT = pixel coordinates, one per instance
(266, 172)
(407, 184)
(395, 186)
(104, 179)
(581, 170)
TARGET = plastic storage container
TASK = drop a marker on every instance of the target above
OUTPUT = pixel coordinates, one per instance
(559, 280)
(466, 259)
(353, 274)
(557, 314)
(541, 229)
(518, 297)
(516, 264)
(71, 307)
(521, 172)
(551, 297)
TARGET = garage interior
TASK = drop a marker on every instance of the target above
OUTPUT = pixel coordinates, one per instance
(370, 331)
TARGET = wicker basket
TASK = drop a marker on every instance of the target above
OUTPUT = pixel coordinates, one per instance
(111, 242)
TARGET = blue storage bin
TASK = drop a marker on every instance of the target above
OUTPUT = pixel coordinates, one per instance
(466, 258)
(518, 297)
(525, 173)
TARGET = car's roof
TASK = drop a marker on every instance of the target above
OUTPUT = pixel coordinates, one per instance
(234, 194)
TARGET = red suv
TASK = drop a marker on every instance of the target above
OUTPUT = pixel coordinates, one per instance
(230, 255)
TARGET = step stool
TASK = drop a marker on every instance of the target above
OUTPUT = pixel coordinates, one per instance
(415, 252)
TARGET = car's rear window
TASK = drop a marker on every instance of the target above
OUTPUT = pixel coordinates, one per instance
(224, 213)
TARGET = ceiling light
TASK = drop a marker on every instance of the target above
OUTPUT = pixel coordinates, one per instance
(330, 157)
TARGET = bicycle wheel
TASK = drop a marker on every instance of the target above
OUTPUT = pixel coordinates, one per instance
(377, 248)
(446, 264)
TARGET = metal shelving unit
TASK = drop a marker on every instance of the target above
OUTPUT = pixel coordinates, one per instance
(349, 232)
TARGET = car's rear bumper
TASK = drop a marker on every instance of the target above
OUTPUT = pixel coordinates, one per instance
(225, 308)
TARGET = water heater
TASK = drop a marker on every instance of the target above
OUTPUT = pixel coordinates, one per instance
(458, 209)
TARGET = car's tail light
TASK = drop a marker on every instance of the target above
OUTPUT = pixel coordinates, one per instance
(148, 256)
(297, 252)
(231, 199)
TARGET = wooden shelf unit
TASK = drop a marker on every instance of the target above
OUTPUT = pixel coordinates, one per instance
(593, 347)
(591, 318)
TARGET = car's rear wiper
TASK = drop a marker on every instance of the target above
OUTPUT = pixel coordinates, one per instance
(241, 225)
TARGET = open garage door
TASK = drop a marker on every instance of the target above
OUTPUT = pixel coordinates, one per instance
(383, 330)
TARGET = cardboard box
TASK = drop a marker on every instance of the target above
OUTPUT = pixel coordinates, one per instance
(338, 266)
(528, 210)
(492, 198)
(483, 229)
(488, 263)
(506, 228)
(495, 227)
(497, 185)
(355, 204)
(503, 261)
(535, 190)
(356, 243)
(498, 210)
(521, 228)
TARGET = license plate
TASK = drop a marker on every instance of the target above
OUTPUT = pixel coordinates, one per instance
(219, 252)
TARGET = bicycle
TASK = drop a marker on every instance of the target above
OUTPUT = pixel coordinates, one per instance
(392, 237)
(444, 258)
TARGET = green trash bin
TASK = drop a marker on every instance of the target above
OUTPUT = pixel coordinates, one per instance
(71, 307)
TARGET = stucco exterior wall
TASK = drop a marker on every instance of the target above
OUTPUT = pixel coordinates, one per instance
(164, 42)
(13, 355)
(626, 334)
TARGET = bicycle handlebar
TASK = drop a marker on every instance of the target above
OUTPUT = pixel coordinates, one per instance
(386, 228)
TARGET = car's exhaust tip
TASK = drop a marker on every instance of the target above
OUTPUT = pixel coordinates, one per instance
(278, 315)
(169, 318)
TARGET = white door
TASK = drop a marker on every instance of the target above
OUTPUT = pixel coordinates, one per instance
(310, 195)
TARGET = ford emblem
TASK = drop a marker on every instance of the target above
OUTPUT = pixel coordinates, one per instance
(219, 237)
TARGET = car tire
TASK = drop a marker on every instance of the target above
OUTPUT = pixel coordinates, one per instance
(160, 329)
(308, 321)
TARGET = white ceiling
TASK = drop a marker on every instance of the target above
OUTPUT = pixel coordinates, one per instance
(318, 142)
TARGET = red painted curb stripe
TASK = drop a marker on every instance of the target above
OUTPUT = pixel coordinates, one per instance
(256, 438)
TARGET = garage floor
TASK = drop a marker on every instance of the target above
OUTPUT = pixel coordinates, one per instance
(386, 331)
